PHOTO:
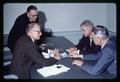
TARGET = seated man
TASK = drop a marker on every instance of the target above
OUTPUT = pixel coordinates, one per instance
(106, 58)
(26, 53)
(86, 45)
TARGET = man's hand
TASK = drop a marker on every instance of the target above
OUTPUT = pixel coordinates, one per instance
(77, 62)
(70, 50)
(75, 52)
(56, 54)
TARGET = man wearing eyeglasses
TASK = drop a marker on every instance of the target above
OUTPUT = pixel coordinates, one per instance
(26, 53)
(86, 44)
(20, 24)
(105, 60)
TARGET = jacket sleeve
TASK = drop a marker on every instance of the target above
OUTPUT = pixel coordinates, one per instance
(37, 57)
(103, 62)
(93, 56)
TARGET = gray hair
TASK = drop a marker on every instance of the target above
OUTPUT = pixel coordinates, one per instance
(101, 31)
(31, 25)
(87, 23)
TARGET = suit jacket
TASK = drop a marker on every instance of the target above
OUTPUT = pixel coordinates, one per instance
(86, 47)
(18, 30)
(105, 60)
(24, 55)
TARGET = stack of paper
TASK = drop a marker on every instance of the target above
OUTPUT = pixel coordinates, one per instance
(52, 70)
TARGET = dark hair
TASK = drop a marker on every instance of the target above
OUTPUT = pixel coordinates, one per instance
(31, 25)
(101, 30)
(31, 7)
(87, 23)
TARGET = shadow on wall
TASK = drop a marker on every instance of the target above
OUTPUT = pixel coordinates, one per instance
(42, 19)
(46, 32)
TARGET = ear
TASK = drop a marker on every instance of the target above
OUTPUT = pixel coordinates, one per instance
(28, 14)
(101, 39)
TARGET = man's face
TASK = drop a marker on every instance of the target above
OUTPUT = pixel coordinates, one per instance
(36, 32)
(92, 35)
(97, 40)
(32, 15)
(86, 30)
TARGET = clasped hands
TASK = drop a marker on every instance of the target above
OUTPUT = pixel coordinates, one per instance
(74, 53)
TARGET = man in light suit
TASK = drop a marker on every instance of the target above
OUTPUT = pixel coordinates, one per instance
(26, 53)
(105, 59)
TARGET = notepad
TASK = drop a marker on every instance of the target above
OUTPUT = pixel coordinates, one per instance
(52, 70)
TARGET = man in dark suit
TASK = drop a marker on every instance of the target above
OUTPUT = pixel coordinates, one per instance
(85, 45)
(105, 59)
(26, 53)
(20, 24)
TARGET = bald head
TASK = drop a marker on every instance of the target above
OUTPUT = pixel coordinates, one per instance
(34, 31)
(31, 26)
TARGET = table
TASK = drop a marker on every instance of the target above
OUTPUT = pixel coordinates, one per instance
(75, 72)
(58, 42)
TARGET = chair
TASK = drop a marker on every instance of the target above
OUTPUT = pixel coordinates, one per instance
(7, 56)
(48, 32)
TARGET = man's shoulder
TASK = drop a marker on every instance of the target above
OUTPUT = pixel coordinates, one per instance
(25, 38)
(24, 41)
(111, 44)
(24, 15)
(110, 47)
(85, 38)
(21, 39)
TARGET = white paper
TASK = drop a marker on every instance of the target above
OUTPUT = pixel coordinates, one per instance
(52, 70)
(46, 55)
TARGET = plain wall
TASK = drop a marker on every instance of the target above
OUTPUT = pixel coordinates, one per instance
(111, 17)
(64, 16)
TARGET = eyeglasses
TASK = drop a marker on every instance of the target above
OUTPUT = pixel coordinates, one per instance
(34, 15)
(37, 31)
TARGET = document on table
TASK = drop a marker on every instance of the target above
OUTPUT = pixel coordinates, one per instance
(49, 55)
(52, 70)
(46, 55)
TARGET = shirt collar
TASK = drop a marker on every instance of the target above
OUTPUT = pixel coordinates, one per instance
(104, 44)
